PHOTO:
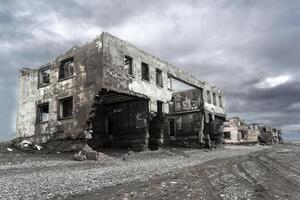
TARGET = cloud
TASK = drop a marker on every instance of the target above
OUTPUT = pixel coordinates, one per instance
(273, 81)
(248, 48)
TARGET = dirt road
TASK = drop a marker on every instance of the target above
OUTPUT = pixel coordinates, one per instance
(269, 174)
(232, 172)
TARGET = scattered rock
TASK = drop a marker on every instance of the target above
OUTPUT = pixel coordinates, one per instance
(87, 153)
(126, 157)
(38, 147)
(80, 156)
(9, 149)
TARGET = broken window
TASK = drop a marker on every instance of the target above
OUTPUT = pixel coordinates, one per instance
(66, 68)
(44, 76)
(214, 99)
(227, 135)
(159, 79)
(43, 112)
(66, 107)
(208, 96)
(128, 65)
(169, 82)
(145, 71)
(220, 101)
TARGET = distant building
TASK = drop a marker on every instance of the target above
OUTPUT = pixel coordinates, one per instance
(114, 94)
(267, 134)
(236, 131)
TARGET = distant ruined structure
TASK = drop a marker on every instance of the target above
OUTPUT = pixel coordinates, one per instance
(237, 131)
(113, 94)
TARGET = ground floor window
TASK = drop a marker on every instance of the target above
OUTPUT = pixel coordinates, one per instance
(43, 112)
(227, 135)
(66, 108)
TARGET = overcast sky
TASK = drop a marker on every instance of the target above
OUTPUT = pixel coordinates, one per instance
(250, 49)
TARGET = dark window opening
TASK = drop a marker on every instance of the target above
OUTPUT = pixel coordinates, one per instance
(145, 72)
(159, 108)
(43, 112)
(227, 135)
(66, 69)
(66, 107)
(220, 101)
(128, 65)
(208, 96)
(172, 127)
(244, 134)
(44, 76)
(170, 82)
(214, 99)
(159, 79)
(264, 129)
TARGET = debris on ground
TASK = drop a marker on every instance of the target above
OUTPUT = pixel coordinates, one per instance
(25, 146)
(9, 149)
(87, 153)
(80, 156)
(38, 147)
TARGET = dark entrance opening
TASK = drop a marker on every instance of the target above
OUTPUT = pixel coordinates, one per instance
(120, 121)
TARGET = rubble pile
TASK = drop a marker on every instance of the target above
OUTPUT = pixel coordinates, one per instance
(27, 146)
(87, 153)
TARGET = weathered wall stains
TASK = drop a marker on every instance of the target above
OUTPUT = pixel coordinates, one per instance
(81, 87)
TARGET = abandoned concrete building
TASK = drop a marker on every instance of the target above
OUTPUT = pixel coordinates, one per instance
(114, 94)
(267, 134)
(237, 131)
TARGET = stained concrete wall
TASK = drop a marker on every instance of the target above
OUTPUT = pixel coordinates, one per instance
(115, 76)
(82, 87)
(188, 114)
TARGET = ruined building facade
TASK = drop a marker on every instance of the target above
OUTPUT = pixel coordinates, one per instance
(114, 94)
(237, 131)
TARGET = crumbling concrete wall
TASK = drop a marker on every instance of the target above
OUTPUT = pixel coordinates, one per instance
(116, 78)
(187, 114)
(82, 87)
(267, 134)
(236, 130)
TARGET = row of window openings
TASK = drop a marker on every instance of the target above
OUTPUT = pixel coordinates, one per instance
(66, 70)
(65, 110)
(128, 65)
(214, 100)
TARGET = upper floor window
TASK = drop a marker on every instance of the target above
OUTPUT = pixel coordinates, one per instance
(66, 108)
(44, 76)
(169, 82)
(66, 68)
(220, 101)
(145, 71)
(128, 65)
(208, 96)
(214, 99)
(159, 79)
(43, 112)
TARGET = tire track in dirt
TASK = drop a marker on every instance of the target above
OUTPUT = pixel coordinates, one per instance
(259, 191)
(273, 180)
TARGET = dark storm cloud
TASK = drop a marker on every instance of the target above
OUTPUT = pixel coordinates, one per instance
(236, 45)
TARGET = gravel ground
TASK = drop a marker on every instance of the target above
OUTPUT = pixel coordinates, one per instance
(44, 176)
